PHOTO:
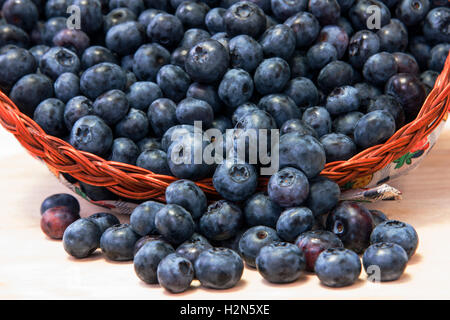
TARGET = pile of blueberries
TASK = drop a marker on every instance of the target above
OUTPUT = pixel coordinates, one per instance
(172, 244)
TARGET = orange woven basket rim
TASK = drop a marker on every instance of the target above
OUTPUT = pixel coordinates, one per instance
(133, 182)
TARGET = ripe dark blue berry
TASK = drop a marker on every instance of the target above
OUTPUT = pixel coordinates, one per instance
(253, 240)
(386, 260)
(338, 267)
(117, 242)
(175, 273)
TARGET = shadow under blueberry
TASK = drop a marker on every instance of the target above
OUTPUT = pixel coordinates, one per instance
(358, 284)
(97, 255)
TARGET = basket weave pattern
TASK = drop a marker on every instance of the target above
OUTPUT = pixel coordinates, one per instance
(138, 183)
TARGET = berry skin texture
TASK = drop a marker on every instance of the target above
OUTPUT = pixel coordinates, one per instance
(104, 220)
(272, 75)
(49, 114)
(67, 86)
(260, 210)
(374, 128)
(61, 200)
(118, 241)
(303, 91)
(297, 125)
(318, 118)
(173, 81)
(278, 41)
(91, 134)
(397, 232)
(293, 222)
(353, 224)
(142, 219)
(14, 64)
(312, 243)
(302, 152)
(207, 61)
(288, 187)
(280, 262)
(342, 100)
(219, 268)
(281, 107)
(221, 221)
(57, 61)
(142, 94)
(435, 26)
(253, 240)
(206, 93)
(125, 38)
(359, 13)
(134, 125)
(235, 181)
(245, 17)
(102, 77)
(393, 36)
(326, 11)
(124, 150)
(81, 238)
(111, 106)
(284, 9)
(191, 249)
(335, 74)
(154, 160)
(320, 54)
(22, 13)
(338, 147)
(336, 36)
(162, 115)
(235, 88)
(390, 258)
(323, 195)
(175, 273)
(76, 108)
(379, 68)
(187, 194)
(147, 259)
(55, 220)
(362, 45)
(338, 267)
(166, 30)
(174, 223)
(147, 61)
(190, 110)
(305, 26)
(346, 123)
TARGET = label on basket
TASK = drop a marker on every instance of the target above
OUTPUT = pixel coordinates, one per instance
(383, 192)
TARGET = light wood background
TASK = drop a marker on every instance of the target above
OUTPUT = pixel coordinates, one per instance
(35, 267)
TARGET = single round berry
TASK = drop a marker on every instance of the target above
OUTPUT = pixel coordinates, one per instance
(338, 267)
(55, 220)
(385, 260)
(104, 220)
(118, 241)
(61, 200)
(81, 238)
(174, 223)
(142, 219)
(253, 240)
(221, 221)
(288, 187)
(147, 259)
(175, 273)
(293, 222)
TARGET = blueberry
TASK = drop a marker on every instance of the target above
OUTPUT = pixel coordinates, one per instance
(154, 160)
(219, 268)
(192, 14)
(142, 219)
(187, 194)
(10, 34)
(49, 115)
(241, 111)
(320, 54)
(323, 195)
(136, 6)
(335, 74)
(175, 273)
(102, 77)
(221, 123)
(393, 36)
(14, 64)
(235, 181)
(435, 26)
(245, 17)
(406, 63)
(280, 106)
(207, 61)
(302, 91)
(326, 11)
(81, 238)
(283, 9)
(319, 119)
(95, 193)
(206, 93)
(191, 249)
(438, 55)
(235, 88)
(312, 243)
(411, 12)
(342, 100)
(51, 28)
(223, 39)
(117, 242)
(253, 240)
(91, 134)
(134, 125)
(147, 259)
(174, 133)
(21, 13)
(162, 115)
(214, 20)
(379, 68)
(420, 49)
(67, 86)
(173, 82)
(245, 53)
(59, 60)
(302, 152)
(336, 36)
(408, 89)
(338, 267)
(297, 125)
(389, 258)
(76, 108)
(142, 94)
(147, 15)
(92, 12)
(338, 147)
(190, 110)
(428, 79)
(278, 41)
(366, 93)
(95, 55)
(118, 16)
(125, 37)
(56, 8)
(148, 59)
(359, 13)
(300, 66)
(55, 220)
(104, 220)
(61, 200)
(391, 105)
(345, 24)
(362, 45)
(260, 210)
(280, 262)
(272, 75)
(289, 187)
(397, 232)
(75, 40)
(221, 221)
(178, 56)
(29, 91)
(38, 51)
(111, 106)
(293, 222)
(124, 150)
(148, 144)
(352, 223)
(193, 36)
(174, 223)
(378, 217)
(165, 29)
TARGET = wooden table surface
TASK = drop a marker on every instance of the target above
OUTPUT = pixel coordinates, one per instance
(35, 267)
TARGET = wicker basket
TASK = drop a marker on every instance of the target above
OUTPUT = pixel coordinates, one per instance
(375, 165)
